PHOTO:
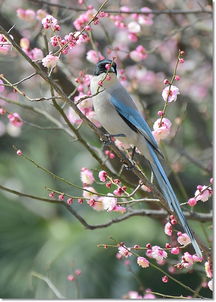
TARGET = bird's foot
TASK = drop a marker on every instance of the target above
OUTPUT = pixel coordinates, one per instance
(130, 166)
(108, 138)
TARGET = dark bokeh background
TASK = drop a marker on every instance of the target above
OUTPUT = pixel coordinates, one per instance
(45, 238)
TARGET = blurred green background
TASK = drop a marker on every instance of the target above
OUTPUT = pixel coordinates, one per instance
(45, 238)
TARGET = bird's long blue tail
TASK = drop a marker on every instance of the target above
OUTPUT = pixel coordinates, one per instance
(171, 198)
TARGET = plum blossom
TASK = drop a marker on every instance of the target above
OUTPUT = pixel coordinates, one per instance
(40, 14)
(172, 91)
(2, 88)
(175, 250)
(134, 27)
(86, 176)
(50, 61)
(26, 14)
(50, 22)
(92, 194)
(168, 229)
(133, 295)
(125, 252)
(192, 202)
(34, 54)
(84, 18)
(74, 117)
(94, 56)
(149, 294)
(203, 193)
(138, 54)
(15, 119)
(143, 262)
(210, 285)
(102, 176)
(161, 129)
(145, 19)
(109, 202)
(208, 269)
(183, 239)
(91, 115)
(157, 253)
(188, 260)
(119, 209)
(5, 45)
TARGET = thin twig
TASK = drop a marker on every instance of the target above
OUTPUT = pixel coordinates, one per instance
(49, 283)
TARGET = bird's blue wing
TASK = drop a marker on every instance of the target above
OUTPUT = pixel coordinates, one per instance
(132, 115)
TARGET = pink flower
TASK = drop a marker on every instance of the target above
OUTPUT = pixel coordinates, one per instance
(36, 54)
(148, 294)
(91, 115)
(210, 285)
(50, 22)
(109, 202)
(90, 195)
(84, 18)
(134, 27)
(50, 61)
(24, 43)
(138, 54)
(197, 259)
(1, 86)
(5, 45)
(145, 19)
(78, 272)
(208, 269)
(120, 209)
(203, 193)
(41, 14)
(161, 130)
(125, 252)
(15, 119)
(61, 196)
(183, 239)
(192, 202)
(86, 176)
(69, 201)
(175, 250)
(19, 152)
(165, 279)
(168, 229)
(27, 15)
(74, 117)
(94, 56)
(70, 278)
(52, 194)
(158, 253)
(102, 176)
(133, 295)
(143, 262)
(173, 91)
(187, 260)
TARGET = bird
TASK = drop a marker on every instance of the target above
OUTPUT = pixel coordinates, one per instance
(118, 114)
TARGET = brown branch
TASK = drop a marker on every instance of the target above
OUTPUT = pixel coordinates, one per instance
(156, 214)
(154, 12)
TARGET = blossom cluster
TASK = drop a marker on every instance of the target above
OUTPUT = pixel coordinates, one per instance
(202, 193)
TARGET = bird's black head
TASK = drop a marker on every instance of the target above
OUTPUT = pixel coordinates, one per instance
(101, 67)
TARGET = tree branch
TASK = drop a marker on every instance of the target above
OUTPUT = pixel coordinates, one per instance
(154, 12)
(161, 214)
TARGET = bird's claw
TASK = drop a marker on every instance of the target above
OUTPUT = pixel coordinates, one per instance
(108, 138)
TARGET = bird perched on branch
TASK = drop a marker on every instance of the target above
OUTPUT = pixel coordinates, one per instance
(118, 114)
